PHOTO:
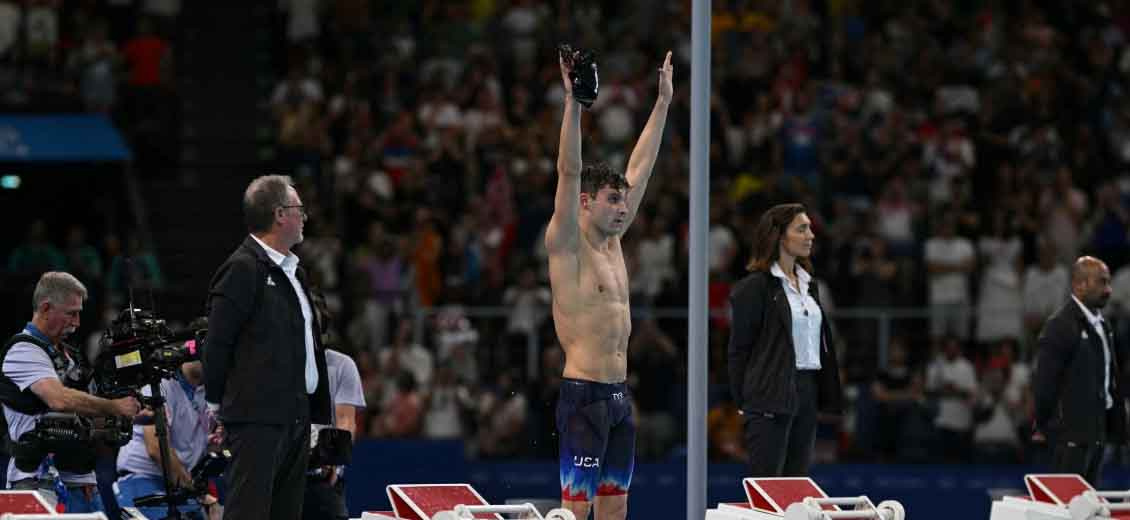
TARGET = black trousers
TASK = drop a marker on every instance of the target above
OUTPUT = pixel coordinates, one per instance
(323, 501)
(267, 476)
(1084, 458)
(780, 445)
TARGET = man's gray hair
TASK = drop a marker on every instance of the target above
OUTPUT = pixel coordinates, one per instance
(264, 195)
(55, 287)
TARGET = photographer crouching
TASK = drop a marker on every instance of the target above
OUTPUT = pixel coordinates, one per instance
(190, 426)
(38, 379)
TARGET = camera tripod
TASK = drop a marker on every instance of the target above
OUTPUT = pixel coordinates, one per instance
(157, 402)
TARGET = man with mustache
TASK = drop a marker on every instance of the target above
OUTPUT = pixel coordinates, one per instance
(1079, 404)
(35, 366)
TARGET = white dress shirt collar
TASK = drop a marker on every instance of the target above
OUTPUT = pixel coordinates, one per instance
(287, 262)
(802, 276)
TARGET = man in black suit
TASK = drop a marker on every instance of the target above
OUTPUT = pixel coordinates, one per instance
(1079, 405)
(265, 371)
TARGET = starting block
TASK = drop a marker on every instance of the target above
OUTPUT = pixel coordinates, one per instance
(30, 505)
(1061, 497)
(451, 502)
(799, 498)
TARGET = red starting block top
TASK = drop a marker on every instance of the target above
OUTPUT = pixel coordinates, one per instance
(1060, 488)
(1056, 489)
(24, 503)
(775, 495)
(422, 501)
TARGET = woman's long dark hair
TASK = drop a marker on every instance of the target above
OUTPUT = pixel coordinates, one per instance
(766, 246)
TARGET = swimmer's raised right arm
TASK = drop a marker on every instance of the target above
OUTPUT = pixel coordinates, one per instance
(563, 232)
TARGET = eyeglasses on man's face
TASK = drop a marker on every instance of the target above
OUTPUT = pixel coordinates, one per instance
(301, 209)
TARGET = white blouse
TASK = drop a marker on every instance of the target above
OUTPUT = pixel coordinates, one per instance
(806, 316)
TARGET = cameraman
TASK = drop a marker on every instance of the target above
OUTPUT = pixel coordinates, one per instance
(139, 461)
(325, 487)
(34, 367)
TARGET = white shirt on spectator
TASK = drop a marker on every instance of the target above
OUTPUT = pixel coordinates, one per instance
(1044, 290)
(413, 358)
(302, 19)
(308, 88)
(998, 429)
(722, 247)
(999, 305)
(949, 287)
(440, 114)
(443, 418)
(527, 308)
(42, 27)
(10, 17)
(656, 263)
(896, 222)
(1120, 291)
(954, 413)
(166, 8)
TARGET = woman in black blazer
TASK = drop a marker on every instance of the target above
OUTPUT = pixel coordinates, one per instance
(783, 369)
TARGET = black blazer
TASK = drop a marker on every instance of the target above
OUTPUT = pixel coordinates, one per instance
(1070, 402)
(255, 351)
(762, 360)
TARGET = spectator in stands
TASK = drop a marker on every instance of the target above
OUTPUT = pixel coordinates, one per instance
(37, 255)
(1120, 306)
(999, 304)
(995, 439)
(1107, 230)
(408, 356)
(724, 431)
(502, 418)
(95, 66)
(447, 401)
(654, 364)
(295, 90)
(1064, 207)
(83, 260)
(426, 247)
(380, 297)
(148, 57)
(952, 378)
(1045, 287)
(402, 414)
(135, 268)
(11, 14)
(950, 260)
(898, 391)
(41, 35)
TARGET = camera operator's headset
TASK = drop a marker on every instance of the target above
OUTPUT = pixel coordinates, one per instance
(29, 451)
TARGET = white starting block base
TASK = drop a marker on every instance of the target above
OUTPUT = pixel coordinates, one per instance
(30, 505)
(799, 498)
(451, 502)
(1062, 497)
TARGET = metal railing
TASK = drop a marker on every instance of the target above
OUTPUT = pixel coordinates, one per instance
(884, 318)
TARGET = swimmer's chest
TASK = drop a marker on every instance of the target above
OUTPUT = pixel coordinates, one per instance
(603, 275)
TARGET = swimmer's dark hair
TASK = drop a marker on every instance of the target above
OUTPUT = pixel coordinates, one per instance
(598, 175)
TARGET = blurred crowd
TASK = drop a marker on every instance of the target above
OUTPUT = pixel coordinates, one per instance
(93, 56)
(955, 157)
